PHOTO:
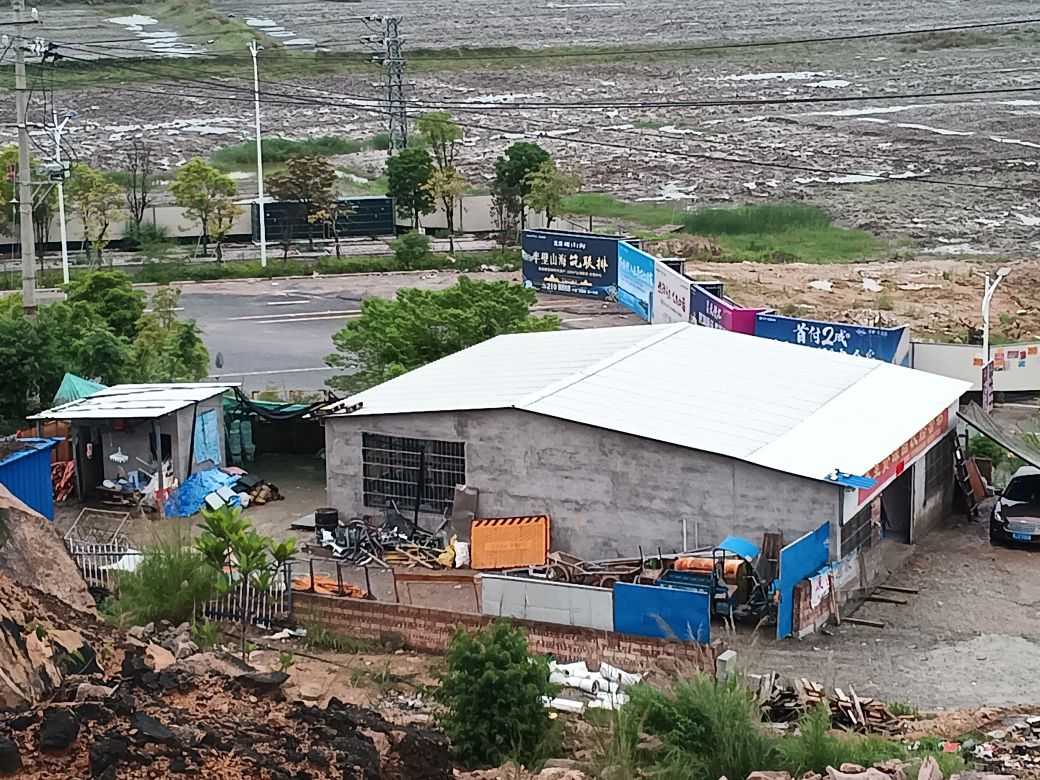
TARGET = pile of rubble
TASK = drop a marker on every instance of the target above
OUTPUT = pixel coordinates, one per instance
(849, 712)
(1014, 750)
(83, 699)
(888, 770)
(176, 639)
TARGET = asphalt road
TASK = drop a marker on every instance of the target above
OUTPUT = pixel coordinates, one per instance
(276, 334)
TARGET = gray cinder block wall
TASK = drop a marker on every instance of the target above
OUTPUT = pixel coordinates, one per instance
(608, 493)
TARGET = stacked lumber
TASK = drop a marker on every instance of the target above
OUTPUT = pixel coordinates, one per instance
(849, 712)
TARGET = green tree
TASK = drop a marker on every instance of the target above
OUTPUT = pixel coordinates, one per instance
(43, 204)
(20, 347)
(407, 174)
(412, 251)
(168, 349)
(309, 181)
(98, 202)
(207, 197)
(491, 693)
(549, 188)
(391, 338)
(75, 338)
(238, 555)
(447, 186)
(112, 295)
(511, 173)
(438, 131)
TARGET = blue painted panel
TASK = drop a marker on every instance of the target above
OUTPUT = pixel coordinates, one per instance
(663, 613)
(27, 474)
(635, 280)
(799, 560)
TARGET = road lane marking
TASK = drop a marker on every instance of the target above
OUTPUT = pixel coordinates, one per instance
(268, 373)
(341, 312)
(288, 303)
(350, 316)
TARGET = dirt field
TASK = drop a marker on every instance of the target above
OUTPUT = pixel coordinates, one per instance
(820, 152)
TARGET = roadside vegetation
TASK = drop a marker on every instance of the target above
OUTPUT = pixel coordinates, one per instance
(280, 150)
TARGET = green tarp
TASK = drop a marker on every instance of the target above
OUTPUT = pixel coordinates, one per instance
(75, 387)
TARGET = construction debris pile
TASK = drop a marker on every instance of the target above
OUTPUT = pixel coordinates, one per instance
(585, 689)
(397, 541)
(1012, 751)
(849, 712)
(84, 699)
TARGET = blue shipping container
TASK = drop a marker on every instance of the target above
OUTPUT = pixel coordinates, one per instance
(26, 472)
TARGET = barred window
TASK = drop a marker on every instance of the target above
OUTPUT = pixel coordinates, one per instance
(859, 533)
(391, 472)
(938, 467)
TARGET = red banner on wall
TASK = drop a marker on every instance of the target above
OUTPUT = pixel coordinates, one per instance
(895, 464)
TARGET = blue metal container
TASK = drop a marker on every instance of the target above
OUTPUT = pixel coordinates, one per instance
(27, 473)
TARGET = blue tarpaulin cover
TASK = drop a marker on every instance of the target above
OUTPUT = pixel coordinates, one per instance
(189, 497)
(739, 546)
(207, 439)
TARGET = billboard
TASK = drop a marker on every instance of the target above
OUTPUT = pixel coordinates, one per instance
(714, 312)
(891, 345)
(567, 263)
(671, 302)
(635, 285)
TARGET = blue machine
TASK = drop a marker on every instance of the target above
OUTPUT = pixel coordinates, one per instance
(727, 574)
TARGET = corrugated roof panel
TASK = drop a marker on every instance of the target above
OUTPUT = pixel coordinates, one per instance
(141, 401)
(784, 406)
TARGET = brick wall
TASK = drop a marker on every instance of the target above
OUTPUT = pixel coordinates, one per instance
(430, 630)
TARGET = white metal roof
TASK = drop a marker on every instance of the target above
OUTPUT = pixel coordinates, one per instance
(783, 406)
(134, 402)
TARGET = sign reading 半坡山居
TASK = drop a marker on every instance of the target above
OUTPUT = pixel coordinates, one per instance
(891, 345)
(567, 263)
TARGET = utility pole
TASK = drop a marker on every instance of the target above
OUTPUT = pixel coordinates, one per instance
(254, 49)
(61, 193)
(394, 61)
(25, 196)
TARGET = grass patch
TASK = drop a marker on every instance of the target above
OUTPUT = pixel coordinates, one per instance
(594, 204)
(320, 638)
(952, 39)
(766, 218)
(279, 150)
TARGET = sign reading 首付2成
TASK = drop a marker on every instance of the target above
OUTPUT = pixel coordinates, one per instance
(891, 345)
(568, 263)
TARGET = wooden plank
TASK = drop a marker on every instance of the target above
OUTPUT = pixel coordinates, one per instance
(899, 589)
(856, 704)
(886, 600)
(865, 622)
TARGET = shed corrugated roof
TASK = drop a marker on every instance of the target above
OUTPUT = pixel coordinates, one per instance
(787, 407)
(20, 448)
(134, 401)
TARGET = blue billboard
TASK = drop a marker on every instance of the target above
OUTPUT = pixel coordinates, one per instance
(891, 345)
(568, 263)
(635, 279)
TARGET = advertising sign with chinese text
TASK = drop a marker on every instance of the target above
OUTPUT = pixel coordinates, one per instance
(635, 280)
(714, 312)
(896, 463)
(987, 387)
(891, 345)
(566, 263)
(671, 296)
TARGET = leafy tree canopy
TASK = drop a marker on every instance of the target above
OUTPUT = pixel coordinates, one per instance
(407, 175)
(112, 295)
(391, 338)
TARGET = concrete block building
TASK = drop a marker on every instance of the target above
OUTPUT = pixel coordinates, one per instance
(654, 437)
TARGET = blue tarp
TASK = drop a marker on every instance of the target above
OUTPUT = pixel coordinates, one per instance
(190, 497)
(207, 438)
(738, 545)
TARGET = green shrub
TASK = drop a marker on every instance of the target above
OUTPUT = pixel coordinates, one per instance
(380, 141)
(816, 747)
(171, 583)
(491, 694)
(709, 729)
(984, 447)
(151, 240)
(412, 251)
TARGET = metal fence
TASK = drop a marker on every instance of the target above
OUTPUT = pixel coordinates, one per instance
(101, 565)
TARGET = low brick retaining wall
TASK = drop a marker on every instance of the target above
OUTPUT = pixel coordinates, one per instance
(430, 630)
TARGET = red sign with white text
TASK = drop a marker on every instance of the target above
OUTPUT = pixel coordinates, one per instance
(895, 464)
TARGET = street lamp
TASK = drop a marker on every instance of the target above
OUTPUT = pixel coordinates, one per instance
(61, 191)
(254, 49)
(987, 296)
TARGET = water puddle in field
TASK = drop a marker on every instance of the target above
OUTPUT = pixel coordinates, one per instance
(161, 42)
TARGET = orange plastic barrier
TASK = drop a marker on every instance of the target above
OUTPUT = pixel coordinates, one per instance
(506, 542)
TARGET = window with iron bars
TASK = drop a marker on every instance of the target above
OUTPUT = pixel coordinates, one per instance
(859, 533)
(391, 472)
(938, 467)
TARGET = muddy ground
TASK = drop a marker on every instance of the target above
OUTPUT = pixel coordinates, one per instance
(820, 152)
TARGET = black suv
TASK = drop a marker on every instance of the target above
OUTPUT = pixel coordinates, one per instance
(1016, 515)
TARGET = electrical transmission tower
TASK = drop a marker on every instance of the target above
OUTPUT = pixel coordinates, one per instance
(394, 62)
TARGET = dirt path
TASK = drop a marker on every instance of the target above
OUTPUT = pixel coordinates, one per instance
(970, 638)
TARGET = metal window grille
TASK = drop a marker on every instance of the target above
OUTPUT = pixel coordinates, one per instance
(938, 467)
(391, 472)
(858, 533)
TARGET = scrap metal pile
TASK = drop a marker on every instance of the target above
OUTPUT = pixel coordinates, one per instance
(397, 541)
(849, 712)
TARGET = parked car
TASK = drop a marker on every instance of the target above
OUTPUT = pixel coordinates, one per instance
(1016, 515)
